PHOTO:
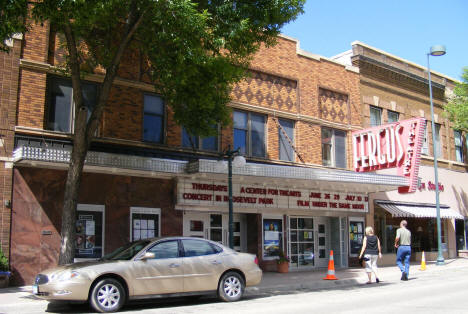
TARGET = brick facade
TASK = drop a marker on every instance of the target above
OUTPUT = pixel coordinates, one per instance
(285, 82)
(9, 76)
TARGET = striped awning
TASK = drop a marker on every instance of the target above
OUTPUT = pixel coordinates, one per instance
(417, 210)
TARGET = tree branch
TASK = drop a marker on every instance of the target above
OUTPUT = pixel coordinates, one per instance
(133, 23)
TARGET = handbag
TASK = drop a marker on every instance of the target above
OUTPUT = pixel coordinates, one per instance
(362, 260)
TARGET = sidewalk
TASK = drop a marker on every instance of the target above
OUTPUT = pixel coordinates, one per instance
(279, 283)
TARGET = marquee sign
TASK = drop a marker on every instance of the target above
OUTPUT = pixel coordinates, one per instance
(215, 194)
(394, 145)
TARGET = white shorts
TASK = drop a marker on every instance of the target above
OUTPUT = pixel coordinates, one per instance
(371, 264)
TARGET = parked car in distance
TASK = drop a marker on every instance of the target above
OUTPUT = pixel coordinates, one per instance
(161, 267)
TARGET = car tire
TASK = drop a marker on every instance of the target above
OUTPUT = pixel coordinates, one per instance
(231, 287)
(108, 295)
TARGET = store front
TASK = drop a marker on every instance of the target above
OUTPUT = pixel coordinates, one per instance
(305, 212)
(303, 218)
(418, 208)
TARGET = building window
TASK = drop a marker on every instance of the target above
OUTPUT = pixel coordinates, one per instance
(144, 223)
(437, 141)
(89, 240)
(425, 146)
(375, 116)
(61, 109)
(286, 151)
(393, 116)
(458, 146)
(249, 133)
(153, 119)
(197, 142)
(333, 148)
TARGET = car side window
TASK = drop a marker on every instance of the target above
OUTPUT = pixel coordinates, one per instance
(166, 249)
(197, 248)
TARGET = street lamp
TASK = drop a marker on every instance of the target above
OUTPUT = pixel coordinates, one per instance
(233, 157)
(437, 50)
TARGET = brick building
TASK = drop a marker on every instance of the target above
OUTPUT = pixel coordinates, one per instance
(394, 89)
(144, 176)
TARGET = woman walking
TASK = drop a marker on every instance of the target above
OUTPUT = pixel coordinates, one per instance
(371, 250)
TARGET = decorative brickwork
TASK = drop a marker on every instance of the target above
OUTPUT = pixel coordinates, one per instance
(267, 90)
(333, 106)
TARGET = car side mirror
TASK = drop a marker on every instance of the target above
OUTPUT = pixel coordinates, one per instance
(148, 255)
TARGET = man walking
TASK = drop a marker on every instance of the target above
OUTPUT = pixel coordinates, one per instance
(403, 244)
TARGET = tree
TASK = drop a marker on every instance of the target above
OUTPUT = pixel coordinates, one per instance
(196, 50)
(457, 108)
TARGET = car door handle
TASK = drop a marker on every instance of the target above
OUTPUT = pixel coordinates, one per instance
(174, 265)
(215, 262)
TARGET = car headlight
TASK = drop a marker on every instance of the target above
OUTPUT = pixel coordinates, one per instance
(64, 276)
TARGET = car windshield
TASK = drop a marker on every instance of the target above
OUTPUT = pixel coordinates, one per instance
(127, 251)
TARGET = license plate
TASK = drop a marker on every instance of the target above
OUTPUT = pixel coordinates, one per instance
(35, 289)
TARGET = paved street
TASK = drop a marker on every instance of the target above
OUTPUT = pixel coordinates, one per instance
(439, 289)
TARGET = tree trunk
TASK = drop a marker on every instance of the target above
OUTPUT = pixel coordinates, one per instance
(72, 187)
(85, 129)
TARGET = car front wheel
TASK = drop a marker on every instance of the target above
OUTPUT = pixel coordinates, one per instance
(231, 287)
(108, 295)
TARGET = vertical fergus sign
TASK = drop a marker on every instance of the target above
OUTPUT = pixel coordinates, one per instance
(394, 145)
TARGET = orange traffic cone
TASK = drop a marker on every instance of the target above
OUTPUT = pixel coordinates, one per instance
(423, 262)
(331, 268)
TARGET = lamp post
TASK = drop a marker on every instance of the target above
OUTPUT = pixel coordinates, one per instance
(233, 157)
(437, 50)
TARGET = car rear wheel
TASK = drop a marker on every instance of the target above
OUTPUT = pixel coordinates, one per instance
(231, 287)
(108, 295)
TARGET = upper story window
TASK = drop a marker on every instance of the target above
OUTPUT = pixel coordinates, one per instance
(333, 148)
(61, 108)
(197, 142)
(392, 116)
(249, 133)
(153, 119)
(286, 151)
(425, 149)
(375, 116)
(437, 141)
(458, 146)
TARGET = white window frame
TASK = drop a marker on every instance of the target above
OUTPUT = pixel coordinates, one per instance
(144, 210)
(94, 208)
(461, 145)
(286, 250)
(333, 147)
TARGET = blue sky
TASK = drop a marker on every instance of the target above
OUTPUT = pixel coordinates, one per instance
(406, 29)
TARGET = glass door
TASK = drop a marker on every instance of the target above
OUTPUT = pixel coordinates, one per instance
(301, 242)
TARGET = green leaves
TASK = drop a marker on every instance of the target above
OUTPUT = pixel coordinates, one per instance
(12, 19)
(196, 50)
(457, 108)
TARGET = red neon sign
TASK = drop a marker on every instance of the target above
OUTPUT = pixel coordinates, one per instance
(394, 145)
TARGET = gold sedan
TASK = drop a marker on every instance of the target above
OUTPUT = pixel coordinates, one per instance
(152, 268)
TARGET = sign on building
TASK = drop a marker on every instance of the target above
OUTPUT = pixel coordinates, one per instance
(394, 145)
